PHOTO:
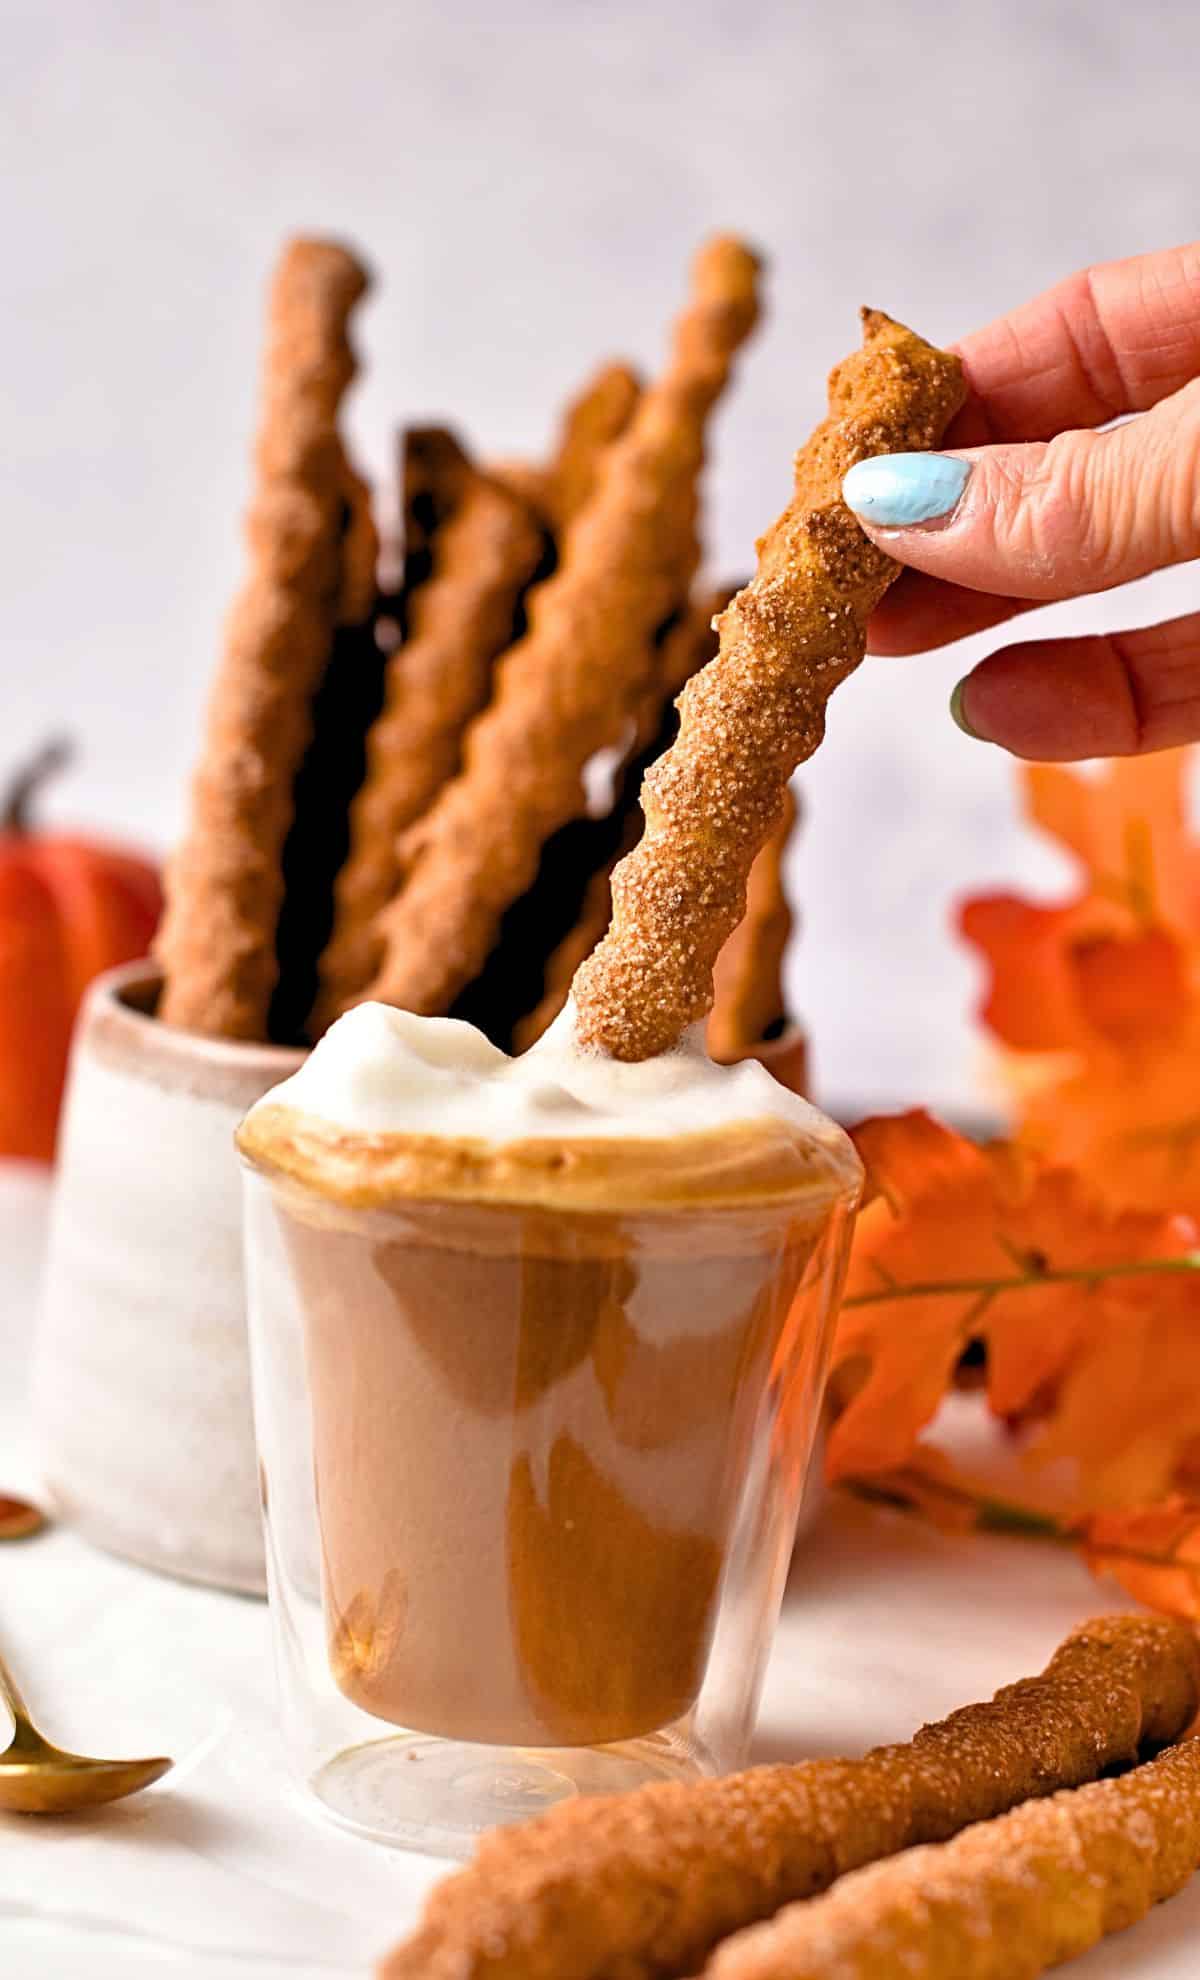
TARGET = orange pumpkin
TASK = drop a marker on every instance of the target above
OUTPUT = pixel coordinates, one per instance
(69, 908)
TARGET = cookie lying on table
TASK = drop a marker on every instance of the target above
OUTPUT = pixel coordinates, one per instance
(642, 1886)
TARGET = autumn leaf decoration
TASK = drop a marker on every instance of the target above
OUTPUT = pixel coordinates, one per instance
(1081, 1321)
(1096, 1002)
(1054, 1277)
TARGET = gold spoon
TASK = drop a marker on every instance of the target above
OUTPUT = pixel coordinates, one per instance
(39, 1779)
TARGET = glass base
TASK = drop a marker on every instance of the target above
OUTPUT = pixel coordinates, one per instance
(439, 1796)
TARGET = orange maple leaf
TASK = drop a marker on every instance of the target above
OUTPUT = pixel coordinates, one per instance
(1127, 825)
(1102, 992)
(1153, 1551)
(1130, 1124)
(1090, 1318)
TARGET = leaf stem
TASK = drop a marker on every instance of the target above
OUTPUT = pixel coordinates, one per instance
(989, 1515)
(1082, 1275)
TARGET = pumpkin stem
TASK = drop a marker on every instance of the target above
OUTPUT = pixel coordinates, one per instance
(18, 803)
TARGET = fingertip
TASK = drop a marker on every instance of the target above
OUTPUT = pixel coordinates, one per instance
(1051, 701)
(920, 613)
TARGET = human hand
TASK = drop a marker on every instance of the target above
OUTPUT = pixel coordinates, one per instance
(1029, 503)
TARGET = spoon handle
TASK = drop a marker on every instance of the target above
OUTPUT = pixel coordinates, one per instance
(23, 1729)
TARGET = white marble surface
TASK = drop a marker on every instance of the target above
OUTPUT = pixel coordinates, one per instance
(529, 180)
(221, 1873)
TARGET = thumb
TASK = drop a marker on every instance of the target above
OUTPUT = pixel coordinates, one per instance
(1078, 513)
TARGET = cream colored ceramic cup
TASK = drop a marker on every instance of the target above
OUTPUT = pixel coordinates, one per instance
(141, 1384)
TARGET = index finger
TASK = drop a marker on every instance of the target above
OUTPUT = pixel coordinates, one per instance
(1116, 338)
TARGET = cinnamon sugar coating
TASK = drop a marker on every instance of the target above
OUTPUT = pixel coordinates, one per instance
(599, 841)
(1005, 1901)
(594, 419)
(749, 973)
(748, 996)
(568, 688)
(758, 709)
(436, 682)
(557, 488)
(641, 1886)
(312, 547)
(748, 978)
(691, 642)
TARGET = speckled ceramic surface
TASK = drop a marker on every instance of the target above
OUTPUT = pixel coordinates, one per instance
(141, 1384)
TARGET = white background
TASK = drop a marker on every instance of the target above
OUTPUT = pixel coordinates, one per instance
(529, 179)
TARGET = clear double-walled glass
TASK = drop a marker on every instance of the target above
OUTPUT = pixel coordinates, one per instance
(530, 1480)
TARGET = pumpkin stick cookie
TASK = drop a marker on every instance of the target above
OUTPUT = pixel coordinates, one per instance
(758, 709)
(309, 546)
(569, 902)
(747, 979)
(559, 487)
(433, 469)
(436, 682)
(570, 685)
(593, 420)
(687, 646)
(641, 1886)
(577, 944)
(691, 642)
(748, 974)
(1006, 1900)
(360, 552)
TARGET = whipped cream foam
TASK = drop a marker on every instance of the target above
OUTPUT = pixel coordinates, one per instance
(381, 1071)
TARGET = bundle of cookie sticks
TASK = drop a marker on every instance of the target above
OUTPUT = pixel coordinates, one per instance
(415, 786)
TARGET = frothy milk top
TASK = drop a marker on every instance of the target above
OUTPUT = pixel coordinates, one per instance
(383, 1071)
(383, 1081)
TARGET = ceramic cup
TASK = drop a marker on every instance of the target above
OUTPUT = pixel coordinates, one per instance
(141, 1389)
(141, 1385)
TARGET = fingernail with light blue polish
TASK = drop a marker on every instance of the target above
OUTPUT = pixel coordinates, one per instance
(894, 491)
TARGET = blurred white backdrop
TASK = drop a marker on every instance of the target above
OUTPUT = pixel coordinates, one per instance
(528, 181)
